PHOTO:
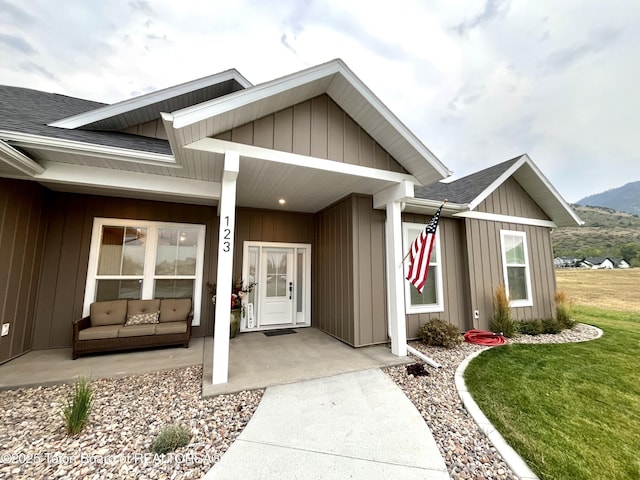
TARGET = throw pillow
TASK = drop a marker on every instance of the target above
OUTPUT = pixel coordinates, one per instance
(142, 318)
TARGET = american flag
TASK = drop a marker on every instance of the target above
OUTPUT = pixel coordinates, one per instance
(420, 253)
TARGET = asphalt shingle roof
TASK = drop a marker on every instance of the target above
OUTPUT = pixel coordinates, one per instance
(29, 111)
(465, 189)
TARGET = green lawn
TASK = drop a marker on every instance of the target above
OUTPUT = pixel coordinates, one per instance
(572, 411)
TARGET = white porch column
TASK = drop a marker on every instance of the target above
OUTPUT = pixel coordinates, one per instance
(391, 199)
(227, 211)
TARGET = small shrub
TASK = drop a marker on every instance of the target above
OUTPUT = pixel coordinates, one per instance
(76, 410)
(551, 325)
(170, 438)
(563, 309)
(501, 322)
(440, 334)
(530, 327)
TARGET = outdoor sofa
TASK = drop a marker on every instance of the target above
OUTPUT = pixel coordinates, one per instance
(131, 324)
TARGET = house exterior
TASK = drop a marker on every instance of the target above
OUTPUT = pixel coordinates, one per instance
(307, 185)
(620, 263)
(598, 262)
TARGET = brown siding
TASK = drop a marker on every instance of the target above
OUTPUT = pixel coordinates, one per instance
(455, 277)
(22, 232)
(370, 308)
(332, 272)
(66, 256)
(485, 269)
(270, 226)
(319, 128)
(511, 199)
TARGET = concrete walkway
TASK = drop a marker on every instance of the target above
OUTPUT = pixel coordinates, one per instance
(354, 425)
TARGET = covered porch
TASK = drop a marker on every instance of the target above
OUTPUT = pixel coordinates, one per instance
(255, 361)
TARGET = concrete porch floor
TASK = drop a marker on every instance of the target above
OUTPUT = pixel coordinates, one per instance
(255, 361)
(258, 361)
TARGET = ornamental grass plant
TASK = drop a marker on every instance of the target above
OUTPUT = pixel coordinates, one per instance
(502, 321)
(170, 438)
(78, 407)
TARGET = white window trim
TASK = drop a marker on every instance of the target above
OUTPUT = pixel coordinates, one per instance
(528, 302)
(147, 291)
(423, 308)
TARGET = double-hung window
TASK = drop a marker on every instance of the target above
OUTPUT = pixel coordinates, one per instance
(515, 267)
(132, 259)
(431, 298)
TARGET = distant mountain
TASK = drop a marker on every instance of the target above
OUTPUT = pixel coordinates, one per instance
(622, 199)
(605, 233)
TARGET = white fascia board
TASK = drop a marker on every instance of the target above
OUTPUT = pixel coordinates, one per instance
(392, 119)
(196, 113)
(125, 106)
(214, 145)
(397, 193)
(68, 174)
(28, 140)
(495, 217)
(18, 160)
(430, 206)
(497, 182)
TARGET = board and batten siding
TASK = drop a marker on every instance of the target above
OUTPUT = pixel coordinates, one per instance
(486, 273)
(66, 255)
(318, 128)
(258, 225)
(511, 199)
(455, 278)
(22, 233)
(349, 283)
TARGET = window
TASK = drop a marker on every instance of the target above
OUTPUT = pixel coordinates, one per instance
(132, 259)
(431, 299)
(515, 266)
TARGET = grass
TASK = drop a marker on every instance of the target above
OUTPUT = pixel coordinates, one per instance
(607, 289)
(571, 411)
(77, 408)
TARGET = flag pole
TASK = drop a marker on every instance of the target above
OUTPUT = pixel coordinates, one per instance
(405, 257)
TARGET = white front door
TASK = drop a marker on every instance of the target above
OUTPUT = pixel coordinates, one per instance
(282, 296)
(276, 296)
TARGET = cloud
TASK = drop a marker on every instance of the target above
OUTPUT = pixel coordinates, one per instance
(15, 13)
(598, 41)
(32, 67)
(285, 42)
(17, 43)
(142, 6)
(492, 9)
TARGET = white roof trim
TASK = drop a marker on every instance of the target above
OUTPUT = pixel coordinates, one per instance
(214, 145)
(128, 105)
(197, 113)
(511, 171)
(494, 217)
(18, 160)
(125, 181)
(28, 140)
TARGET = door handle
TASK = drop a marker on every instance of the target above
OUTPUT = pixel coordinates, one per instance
(290, 290)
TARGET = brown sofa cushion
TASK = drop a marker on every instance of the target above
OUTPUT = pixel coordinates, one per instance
(112, 312)
(136, 330)
(98, 333)
(174, 309)
(168, 328)
(142, 319)
(136, 307)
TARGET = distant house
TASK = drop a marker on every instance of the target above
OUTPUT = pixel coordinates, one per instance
(567, 262)
(598, 262)
(307, 179)
(620, 263)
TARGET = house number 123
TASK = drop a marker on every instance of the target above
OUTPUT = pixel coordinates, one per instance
(226, 237)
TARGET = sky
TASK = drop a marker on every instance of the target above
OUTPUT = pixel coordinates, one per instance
(477, 81)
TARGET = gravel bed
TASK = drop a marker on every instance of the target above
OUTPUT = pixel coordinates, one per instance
(128, 414)
(467, 452)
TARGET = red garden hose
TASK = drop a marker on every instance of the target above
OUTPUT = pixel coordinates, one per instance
(482, 337)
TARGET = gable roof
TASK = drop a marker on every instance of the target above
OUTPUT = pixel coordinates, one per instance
(333, 78)
(144, 108)
(469, 191)
(26, 113)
